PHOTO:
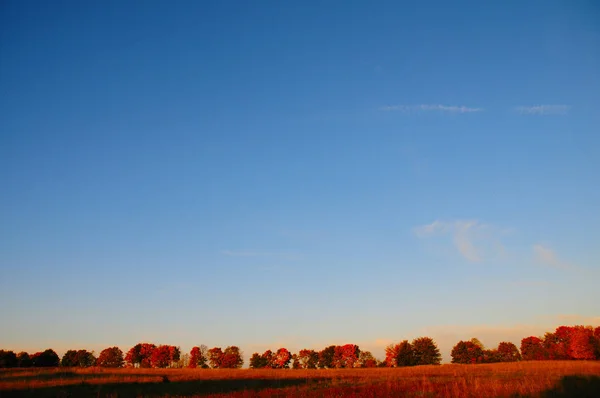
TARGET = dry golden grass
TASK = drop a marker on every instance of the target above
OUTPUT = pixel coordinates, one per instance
(551, 378)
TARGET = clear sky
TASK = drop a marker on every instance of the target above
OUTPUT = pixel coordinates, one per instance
(297, 173)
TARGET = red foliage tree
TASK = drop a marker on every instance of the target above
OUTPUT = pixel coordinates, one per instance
(391, 355)
(198, 357)
(140, 355)
(556, 346)
(346, 356)
(110, 358)
(508, 352)
(232, 358)
(532, 349)
(581, 343)
(281, 359)
(174, 354)
(161, 356)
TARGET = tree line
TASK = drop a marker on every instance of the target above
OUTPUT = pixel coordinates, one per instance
(565, 343)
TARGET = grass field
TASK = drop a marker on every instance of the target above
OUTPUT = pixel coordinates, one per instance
(545, 379)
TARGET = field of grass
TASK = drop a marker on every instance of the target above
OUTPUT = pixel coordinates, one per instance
(544, 379)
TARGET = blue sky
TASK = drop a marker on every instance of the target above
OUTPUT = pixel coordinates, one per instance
(297, 173)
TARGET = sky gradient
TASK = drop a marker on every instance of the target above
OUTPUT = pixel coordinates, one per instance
(297, 174)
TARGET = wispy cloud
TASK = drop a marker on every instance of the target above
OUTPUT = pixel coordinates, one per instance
(546, 256)
(543, 109)
(470, 237)
(431, 107)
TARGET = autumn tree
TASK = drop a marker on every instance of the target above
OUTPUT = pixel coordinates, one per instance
(140, 355)
(532, 349)
(161, 356)
(174, 355)
(69, 359)
(309, 359)
(45, 359)
(110, 358)
(404, 354)
(555, 346)
(296, 362)
(508, 352)
(232, 358)
(257, 361)
(78, 358)
(345, 356)
(215, 356)
(198, 357)
(281, 359)
(8, 359)
(581, 343)
(367, 360)
(466, 352)
(391, 355)
(478, 343)
(24, 361)
(597, 341)
(425, 351)
(326, 357)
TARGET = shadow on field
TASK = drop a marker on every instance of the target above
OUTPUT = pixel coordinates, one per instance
(575, 386)
(174, 388)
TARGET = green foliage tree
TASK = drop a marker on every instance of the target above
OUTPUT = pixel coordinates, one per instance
(326, 357)
(425, 351)
(367, 360)
(478, 343)
(69, 359)
(466, 352)
(296, 362)
(404, 354)
(309, 359)
(257, 361)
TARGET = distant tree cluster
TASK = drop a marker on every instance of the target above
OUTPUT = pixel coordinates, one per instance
(422, 351)
(473, 351)
(332, 357)
(44, 359)
(566, 343)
